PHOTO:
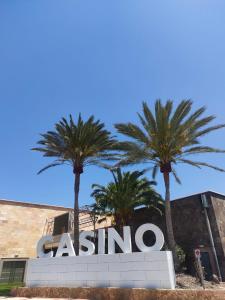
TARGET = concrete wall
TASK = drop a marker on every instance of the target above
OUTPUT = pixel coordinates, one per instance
(21, 226)
(142, 270)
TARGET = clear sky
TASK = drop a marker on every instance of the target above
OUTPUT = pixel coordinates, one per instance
(103, 58)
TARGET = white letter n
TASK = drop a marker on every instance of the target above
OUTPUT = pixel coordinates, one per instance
(114, 237)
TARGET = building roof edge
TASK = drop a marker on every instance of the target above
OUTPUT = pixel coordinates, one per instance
(37, 205)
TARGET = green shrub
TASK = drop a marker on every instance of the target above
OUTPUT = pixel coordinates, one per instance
(5, 288)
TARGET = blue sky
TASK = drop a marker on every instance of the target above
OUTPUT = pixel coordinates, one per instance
(103, 58)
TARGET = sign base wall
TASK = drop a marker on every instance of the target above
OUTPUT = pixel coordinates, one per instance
(134, 270)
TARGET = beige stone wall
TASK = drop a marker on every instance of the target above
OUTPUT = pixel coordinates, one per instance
(105, 222)
(21, 227)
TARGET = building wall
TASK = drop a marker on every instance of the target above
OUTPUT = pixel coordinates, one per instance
(218, 203)
(219, 210)
(189, 223)
(190, 227)
(99, 223)
(21, 226)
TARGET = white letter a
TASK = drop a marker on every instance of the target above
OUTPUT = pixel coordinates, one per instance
(65, 246)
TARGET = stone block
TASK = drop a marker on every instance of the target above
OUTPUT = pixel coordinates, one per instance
(135, 270)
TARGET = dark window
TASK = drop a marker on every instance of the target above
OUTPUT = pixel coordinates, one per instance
(61, 224)
(13, 271)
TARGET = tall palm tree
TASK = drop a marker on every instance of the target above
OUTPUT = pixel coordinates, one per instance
(167, 137)
(80, 145)
(127, 191)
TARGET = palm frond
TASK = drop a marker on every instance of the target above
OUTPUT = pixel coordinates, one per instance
(155, 171)
(170, 135)
(202, 149)
(127, 191)
(80, 143)
(180, 113)
(50, 166)
(150, 120)
(208, 130)
(132, 131)
(176, 176)
(199, 164)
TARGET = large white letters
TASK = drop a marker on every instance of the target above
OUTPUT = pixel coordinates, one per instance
(66, 244)
(125, 243)
(159, 238)
(40, 247)
(86, 243)
(101, 241)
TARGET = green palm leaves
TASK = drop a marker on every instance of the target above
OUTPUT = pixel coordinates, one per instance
(167, 137)
(80, 145)
(127, 191)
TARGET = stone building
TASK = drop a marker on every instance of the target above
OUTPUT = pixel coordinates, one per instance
(199, 223)
(23, 224)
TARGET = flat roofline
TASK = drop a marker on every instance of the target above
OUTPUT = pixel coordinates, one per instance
(36, 205)
(196, 194)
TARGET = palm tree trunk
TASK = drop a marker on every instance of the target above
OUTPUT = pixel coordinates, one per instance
(76, 213)
(169, 225)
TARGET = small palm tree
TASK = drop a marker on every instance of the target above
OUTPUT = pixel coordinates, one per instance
(80, 144)
(167, 137)
(128, 191)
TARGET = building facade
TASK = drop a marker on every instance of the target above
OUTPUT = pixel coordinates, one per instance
(198, 223)
(21, 226)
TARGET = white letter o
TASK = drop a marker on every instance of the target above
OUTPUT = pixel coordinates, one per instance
(158, 237)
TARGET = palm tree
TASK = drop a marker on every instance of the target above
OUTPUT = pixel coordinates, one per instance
(127, 191)
(167, 137)
(80, 145)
